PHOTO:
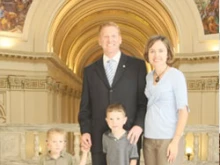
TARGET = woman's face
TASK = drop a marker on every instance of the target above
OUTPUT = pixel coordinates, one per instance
(157, 54)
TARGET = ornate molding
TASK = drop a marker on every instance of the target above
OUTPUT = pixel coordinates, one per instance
(34, 84)
(15, 82)
(207, 84)
(201, 57)
(51, 84)
(57, 69)
(43, 57)
(23, 83)
(44, 83)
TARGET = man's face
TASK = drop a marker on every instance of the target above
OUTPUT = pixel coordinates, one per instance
(110, 40)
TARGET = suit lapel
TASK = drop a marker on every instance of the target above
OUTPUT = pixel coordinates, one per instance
(101, 71)
(122, 66)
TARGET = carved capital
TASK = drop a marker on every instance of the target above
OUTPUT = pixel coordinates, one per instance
(51, 84)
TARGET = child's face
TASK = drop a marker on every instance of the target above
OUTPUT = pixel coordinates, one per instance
(116, 120)
(56, 143)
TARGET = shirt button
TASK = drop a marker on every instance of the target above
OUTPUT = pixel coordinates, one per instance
(111, 90)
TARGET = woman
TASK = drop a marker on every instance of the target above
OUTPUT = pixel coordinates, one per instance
(167, 109)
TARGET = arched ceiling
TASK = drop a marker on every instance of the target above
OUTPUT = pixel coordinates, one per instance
(74, 32)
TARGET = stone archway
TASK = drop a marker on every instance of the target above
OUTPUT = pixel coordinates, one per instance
(73, 34)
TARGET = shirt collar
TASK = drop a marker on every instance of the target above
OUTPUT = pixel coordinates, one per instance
(115, 58)
(110, 134)
(48, 157)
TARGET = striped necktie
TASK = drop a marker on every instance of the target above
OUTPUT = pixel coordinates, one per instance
(110, 70)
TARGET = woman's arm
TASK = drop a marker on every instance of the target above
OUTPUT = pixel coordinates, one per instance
(173, 146)
(182, 120)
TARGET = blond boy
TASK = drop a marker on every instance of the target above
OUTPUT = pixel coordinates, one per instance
(56, 144)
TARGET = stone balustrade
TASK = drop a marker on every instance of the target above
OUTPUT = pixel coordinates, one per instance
(23, 144)
(204, 140)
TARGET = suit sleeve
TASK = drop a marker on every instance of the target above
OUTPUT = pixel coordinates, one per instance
(84, 116)
(141, 99)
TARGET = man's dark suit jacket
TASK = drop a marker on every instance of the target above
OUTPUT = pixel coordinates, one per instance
(127, 88)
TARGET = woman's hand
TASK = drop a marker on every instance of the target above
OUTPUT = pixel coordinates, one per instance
(172, 151)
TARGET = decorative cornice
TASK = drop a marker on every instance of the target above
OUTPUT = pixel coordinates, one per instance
(201, 57)
(44, 57)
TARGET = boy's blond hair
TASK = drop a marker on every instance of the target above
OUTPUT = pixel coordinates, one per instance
(56, 130)
(116, 108)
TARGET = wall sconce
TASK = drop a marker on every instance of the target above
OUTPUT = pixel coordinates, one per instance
(39, 150)
(188, 153)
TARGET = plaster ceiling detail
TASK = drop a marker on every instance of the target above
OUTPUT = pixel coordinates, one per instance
(74, 31)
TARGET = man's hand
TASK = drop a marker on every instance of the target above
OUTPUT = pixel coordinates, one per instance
(86, 141)
(134, 134)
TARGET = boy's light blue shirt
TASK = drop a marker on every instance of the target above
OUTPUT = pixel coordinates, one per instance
(165, 99)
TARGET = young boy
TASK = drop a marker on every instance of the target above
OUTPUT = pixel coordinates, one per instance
(115, 143)
(56, 143)
(117, 147)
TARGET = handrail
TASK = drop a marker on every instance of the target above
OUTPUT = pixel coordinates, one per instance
(39, 127)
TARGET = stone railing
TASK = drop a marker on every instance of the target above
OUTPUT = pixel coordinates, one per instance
(204, 141)
(22, 144)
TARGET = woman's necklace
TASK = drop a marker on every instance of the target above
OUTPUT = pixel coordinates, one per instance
(157, 79)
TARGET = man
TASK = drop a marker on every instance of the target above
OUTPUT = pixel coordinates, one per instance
(98, 92)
